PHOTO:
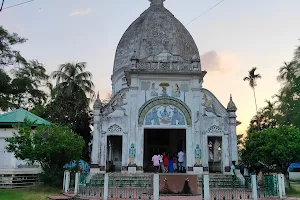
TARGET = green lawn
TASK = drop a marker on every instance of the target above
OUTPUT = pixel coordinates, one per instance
(40, 193)
(294, 190)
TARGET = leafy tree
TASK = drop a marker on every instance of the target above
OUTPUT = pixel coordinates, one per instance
(287, 72)
(252, 77)
(9, 56)
(51, 146)
(277, 146)
(29, 84)
(266, 117)
(21, 87)
(72, 79)
(70, 100)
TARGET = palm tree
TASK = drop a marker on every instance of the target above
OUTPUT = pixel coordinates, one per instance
(252, 81)
(287, 71)
(71, 79)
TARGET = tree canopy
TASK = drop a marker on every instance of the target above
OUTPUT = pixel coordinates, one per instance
(272, 146)
(52, 146)
(284, 108)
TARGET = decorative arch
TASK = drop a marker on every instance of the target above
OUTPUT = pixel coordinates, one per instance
(165, 100)
(214, 129)
(114, 129)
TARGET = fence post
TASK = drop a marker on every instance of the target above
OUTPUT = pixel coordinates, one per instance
(280, 185)
(254, 187)
(106, 180)
(64, 181)
(156, 187)
(283, 184)
(76, 183)
(67, 182)
(205, 183)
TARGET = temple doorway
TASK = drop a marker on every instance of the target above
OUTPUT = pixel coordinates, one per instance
(215, 154)
(170, 141)
(114, 153)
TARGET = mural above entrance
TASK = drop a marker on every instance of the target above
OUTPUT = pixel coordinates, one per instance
(164, 115)
(164, 110)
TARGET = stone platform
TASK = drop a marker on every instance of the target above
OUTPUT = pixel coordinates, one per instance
(186, 184)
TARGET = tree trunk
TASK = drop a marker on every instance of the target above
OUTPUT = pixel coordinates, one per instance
(258, 123)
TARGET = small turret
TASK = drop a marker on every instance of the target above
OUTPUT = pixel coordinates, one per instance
(231, 107)
(98, 103)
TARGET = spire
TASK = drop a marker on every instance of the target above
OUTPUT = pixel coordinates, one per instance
(157, 2)
(231, 105)
(98, 103)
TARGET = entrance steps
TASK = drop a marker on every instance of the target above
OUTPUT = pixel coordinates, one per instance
(124, 180)
(222, 181)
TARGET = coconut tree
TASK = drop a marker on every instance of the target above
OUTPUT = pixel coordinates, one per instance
(71, 79)
(70, 100)
(252, 77)
(287, 71)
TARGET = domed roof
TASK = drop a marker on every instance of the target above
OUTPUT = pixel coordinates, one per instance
(154, 32)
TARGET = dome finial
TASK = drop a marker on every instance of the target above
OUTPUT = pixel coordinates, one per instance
(157, 2)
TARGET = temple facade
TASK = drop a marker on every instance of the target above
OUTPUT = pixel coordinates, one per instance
(158, 103)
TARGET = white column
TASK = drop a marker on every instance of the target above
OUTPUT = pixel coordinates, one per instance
(67, 183)
(225, 151)
(140, 146)
(96, 137)
(205, 183)
(189, 149)
(233, 137)
(103, 151)
(133, 121)
(64, 181)
(76, 183)
(280, 186)
(106, 180)
(156, 187)
(283, 184)
(204, 150)
(254, 187)
(109, 151)
(125, 150)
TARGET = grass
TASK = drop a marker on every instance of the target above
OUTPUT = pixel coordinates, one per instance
(293, 191)
(35, 193)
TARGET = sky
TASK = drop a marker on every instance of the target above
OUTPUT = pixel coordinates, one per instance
(232, 38)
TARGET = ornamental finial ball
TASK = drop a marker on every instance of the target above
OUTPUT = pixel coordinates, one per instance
(157, 2)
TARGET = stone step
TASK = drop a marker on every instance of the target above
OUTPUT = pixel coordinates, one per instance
(58, 197)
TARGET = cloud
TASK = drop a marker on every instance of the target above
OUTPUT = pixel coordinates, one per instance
(222, 62)
(80, 12)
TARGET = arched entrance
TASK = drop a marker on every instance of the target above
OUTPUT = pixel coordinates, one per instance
(164, 126)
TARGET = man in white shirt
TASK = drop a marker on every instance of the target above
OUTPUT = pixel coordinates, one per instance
(155, 160)
(161, 164)
(180, 161)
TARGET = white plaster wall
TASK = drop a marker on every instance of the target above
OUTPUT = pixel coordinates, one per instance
(8, 160)
(294, 176)
(135, 97)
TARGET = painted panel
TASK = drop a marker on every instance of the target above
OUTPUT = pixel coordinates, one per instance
(165, 115)
(164, 110)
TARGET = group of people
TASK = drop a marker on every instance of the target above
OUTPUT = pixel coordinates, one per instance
(168, 163)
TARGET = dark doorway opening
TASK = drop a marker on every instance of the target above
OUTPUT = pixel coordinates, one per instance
(159, 141)
(215, 154)
(114, 153)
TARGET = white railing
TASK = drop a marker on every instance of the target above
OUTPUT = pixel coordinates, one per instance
(253, 187)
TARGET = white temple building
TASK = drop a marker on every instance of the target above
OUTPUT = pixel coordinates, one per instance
(159, 104)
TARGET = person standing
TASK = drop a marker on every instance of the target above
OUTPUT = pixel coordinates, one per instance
(155, 160)
(170, 164)
(232, 172)
(161, 164)
(166, 162)
(180, 161)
